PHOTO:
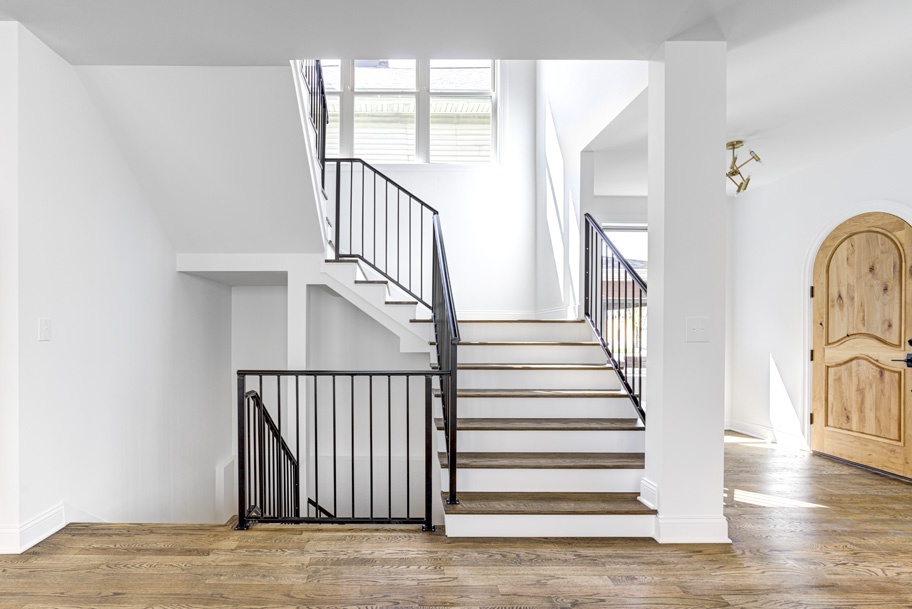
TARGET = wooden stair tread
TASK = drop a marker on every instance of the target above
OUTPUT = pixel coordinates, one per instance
(547, 460)
(371, 282)
(544, 424)
(510, 321)
(547, 503)
(514, 343)
(342, 260)
(401, 302)
(538, 393)
(535, 367)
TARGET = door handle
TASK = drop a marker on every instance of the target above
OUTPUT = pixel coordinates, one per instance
(908, 360)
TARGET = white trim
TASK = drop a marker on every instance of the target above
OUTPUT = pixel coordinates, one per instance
(828, 226)
(9, 540)
(16, 540)
(649, 493)
(762, 432)
(691, 530)
(552, 313)
(548, 525)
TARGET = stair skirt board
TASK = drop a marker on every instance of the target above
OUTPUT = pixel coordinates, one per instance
(549, 441)
(549, 525)
(544, 480)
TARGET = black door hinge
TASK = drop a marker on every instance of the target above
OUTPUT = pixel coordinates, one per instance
(812, 418)
(812, 355)
(812, 291)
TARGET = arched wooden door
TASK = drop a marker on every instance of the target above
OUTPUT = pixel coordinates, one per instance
(862, 324)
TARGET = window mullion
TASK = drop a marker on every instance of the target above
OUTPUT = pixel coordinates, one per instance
(347, 109)
(423, 112)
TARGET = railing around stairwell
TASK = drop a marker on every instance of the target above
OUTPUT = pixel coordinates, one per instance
(400, 237)
(312, 73)
(615, 307)
(351, 446)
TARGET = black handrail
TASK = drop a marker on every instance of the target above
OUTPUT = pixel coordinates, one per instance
(615, 307)
(357, 431)
(312, 73)
(399, 236)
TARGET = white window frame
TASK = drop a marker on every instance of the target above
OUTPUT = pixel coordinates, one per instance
(422, 111)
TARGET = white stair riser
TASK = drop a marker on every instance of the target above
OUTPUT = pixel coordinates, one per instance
(544, 480)
(531, 331)
(549, 441)
(540, 408)
(540, 525)
(538, 379)
(531, 354)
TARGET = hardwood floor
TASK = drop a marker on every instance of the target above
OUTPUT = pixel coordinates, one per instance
(807, 533)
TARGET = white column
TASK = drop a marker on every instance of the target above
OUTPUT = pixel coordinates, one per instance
(686, 212)
(9, 288)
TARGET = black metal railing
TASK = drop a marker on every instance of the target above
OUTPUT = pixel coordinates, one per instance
(364, 440)
(615, 307)
(389, 229)
(312, 73)
(272, 473)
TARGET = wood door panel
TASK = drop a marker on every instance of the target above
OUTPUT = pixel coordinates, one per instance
(863, 276)
(861, 395)
(865, 397)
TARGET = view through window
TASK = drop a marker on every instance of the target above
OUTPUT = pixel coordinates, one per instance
(405, 110)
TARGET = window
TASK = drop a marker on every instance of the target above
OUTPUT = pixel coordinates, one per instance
(632, 240)
(406, 111)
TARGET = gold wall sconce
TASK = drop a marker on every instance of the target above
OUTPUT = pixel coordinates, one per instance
(734, 170)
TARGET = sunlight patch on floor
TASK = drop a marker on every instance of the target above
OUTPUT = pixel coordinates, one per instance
(762, 500)
(730, 439)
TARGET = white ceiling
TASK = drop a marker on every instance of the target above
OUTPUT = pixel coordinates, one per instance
(258, 32)
(807, 80)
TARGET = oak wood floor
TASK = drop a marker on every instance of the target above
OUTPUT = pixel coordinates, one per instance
(807, 533)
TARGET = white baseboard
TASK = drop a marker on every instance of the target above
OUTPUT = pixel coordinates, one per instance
(691, 530)
(762, 432)
(649, 493)
(15, 540)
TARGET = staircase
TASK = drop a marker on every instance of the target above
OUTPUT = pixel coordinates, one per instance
(549, 439)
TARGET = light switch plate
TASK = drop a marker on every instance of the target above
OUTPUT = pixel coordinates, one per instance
(44, 329)
(696, 329)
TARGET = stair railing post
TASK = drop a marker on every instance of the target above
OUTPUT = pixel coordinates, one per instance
(451, 422)
(242, 524)
(586, 271)
(428, 449)
(338, 207)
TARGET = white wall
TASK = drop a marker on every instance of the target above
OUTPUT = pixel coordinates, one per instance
(219, 152)
(775, 232)
(9, 286)
(259, 328)
(122, 412)
(342, 337)
(488, 211)
(577, 101)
